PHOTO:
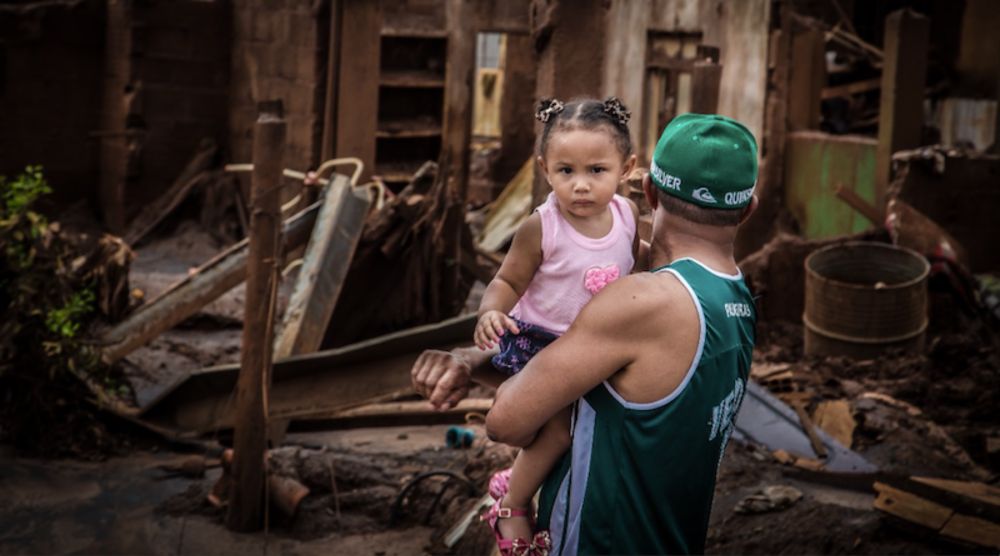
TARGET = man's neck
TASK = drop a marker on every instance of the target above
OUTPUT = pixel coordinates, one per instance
(710, 245)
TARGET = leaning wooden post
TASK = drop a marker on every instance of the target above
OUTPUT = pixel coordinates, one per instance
(901, 107)
(250, 435)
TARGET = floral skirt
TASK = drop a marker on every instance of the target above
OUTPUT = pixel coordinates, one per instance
(517, 349)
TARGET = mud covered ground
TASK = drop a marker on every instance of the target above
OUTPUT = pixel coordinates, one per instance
(941, 434)
(931, 414)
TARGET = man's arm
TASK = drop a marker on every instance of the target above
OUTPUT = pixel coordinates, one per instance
(600, 342)
(444, 377)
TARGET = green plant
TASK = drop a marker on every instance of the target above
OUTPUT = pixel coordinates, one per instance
(45, 310)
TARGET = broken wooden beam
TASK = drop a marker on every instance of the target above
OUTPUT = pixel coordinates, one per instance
(154, 213)
(849, 89)
(311, 384)
(325, 264)
(901, 108)
(206, 284)
(393, 414)
(246, 509)
(964, 519)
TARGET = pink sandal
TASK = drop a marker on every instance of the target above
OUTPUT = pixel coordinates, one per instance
(541, 542)
(508, 547)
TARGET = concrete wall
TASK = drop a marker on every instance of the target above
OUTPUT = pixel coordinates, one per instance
(165, 89)
(738, 27)
(279, 52)
(50, 83)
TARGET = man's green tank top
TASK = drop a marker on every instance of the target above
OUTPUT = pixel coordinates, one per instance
(640, 477)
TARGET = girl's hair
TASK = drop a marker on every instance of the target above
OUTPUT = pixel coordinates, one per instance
(584, 114)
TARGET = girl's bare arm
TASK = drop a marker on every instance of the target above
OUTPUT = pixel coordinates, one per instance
(510, 282)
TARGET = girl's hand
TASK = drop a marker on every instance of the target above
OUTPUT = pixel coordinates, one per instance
(491, 326)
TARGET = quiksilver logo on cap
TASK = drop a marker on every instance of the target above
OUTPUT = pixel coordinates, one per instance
(738, 197)
(703, 195)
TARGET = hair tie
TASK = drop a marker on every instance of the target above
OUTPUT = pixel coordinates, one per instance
(548, 108)
(614, 108)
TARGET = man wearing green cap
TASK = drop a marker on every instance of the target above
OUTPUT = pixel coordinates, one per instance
(655, 366)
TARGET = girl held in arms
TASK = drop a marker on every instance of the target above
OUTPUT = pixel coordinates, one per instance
(579, 240)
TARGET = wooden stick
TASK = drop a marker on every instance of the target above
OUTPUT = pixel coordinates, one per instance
(184, 298)
(807, 426)
(250, 436)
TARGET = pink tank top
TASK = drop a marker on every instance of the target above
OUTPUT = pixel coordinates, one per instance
(575, 267)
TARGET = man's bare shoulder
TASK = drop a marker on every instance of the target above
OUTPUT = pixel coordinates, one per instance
(632, 302)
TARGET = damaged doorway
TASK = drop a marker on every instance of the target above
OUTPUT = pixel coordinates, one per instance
(682, 75)
(502, 112)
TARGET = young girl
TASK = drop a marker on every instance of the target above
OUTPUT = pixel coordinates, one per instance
(582, 238)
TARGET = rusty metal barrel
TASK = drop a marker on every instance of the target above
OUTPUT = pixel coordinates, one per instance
(863, 298)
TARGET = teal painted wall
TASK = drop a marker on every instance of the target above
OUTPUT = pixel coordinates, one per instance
(815, 163)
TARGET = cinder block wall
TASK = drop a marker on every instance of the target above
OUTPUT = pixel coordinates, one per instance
(165, 88)
(50, 91)
(279, 52)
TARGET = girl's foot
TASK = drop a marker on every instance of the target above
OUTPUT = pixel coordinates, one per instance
(512, 541)
(518, 525)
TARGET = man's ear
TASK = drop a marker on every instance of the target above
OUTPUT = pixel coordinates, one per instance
(629, 166)
(754, 201)
(650, 192)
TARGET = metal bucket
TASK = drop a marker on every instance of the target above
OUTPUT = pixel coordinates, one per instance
(863, 298)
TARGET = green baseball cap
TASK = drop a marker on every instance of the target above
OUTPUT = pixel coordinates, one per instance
(707, 160)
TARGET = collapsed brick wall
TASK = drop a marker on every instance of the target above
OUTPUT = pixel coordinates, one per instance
(50, 72)
(165, 91)
(279, 52)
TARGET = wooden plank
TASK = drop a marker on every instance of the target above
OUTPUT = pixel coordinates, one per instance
(770, 184)
(394, 414)
(510, 209)
(246, 507)
(912, 508)
(310, 384)
(325, 264)
(851, 88)
(357, 92)
(973, 529)
(807, 426)
(328, 148)
(706, 78)
(834, 417)
(980, 491)
(458, 96)
(806, 79)
(206, 284)
(411, 79)
(904, 72)
(154, 213)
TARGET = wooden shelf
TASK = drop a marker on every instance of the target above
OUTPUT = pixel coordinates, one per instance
(408, 128)
(411, 79)
(397, 172)
(414, 32)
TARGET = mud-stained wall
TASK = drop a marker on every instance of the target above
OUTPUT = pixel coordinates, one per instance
(165, 90)
(50, 84)
(279, 52)
(738, 27)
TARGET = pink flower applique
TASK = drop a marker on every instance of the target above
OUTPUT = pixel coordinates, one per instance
(596, 278)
